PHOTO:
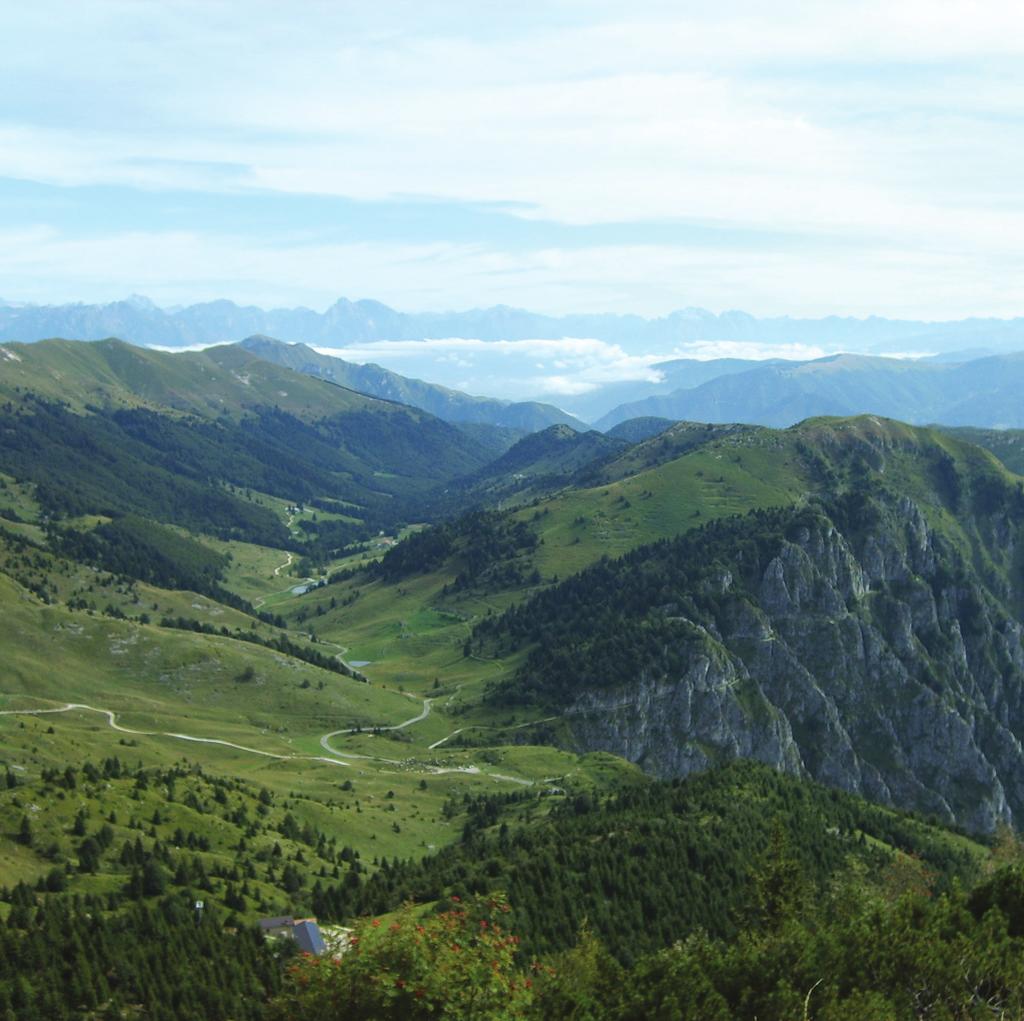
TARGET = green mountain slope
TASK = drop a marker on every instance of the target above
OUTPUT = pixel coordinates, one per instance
(494, 439)
(537, 464)
(558, 450)
(412, 615)
(869, 637)
(108, 428)
(840, 600)
(1006, 444)
(218, 381)
(633, 430)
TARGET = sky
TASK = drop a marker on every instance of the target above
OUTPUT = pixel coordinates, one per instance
(786, 158)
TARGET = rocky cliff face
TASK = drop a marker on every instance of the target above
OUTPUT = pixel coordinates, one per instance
(883, 659)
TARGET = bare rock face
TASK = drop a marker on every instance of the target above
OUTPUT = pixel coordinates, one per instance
(861, 660)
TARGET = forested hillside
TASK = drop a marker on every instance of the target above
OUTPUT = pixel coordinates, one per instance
(535, 466)
(153, 961)
(712, 892)
(109, 429)
(657, 862)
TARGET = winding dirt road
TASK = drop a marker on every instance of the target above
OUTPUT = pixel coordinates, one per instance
(324, 741)
(112, 720)
(424, 713)
(489, 726)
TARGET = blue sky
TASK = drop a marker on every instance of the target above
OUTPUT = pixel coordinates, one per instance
(851, 158)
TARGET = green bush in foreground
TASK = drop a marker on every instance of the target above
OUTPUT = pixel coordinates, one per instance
(456, 964)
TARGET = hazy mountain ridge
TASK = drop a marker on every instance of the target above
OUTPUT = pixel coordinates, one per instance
(447, 404)
(675, 374)
(983, 392)
(347, 321)
(779, 393)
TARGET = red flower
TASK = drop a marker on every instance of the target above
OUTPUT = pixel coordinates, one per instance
(375, 923)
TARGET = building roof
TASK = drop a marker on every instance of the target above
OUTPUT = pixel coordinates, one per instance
(276, 923)
(307, 936)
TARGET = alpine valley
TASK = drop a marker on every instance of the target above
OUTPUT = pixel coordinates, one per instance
(681, 719)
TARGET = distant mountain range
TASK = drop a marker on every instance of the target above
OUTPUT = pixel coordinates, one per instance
(139, 320)
(972, 378)
(982, 392)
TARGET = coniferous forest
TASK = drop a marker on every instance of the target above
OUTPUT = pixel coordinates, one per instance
(734, 895)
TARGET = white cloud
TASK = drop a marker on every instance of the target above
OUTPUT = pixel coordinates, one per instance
(182, 349)
(519, 368)
(592, 361)
(706, 350)
(678, 111)
(564, 386)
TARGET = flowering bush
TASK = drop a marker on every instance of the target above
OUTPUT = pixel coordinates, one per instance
(456, 964)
